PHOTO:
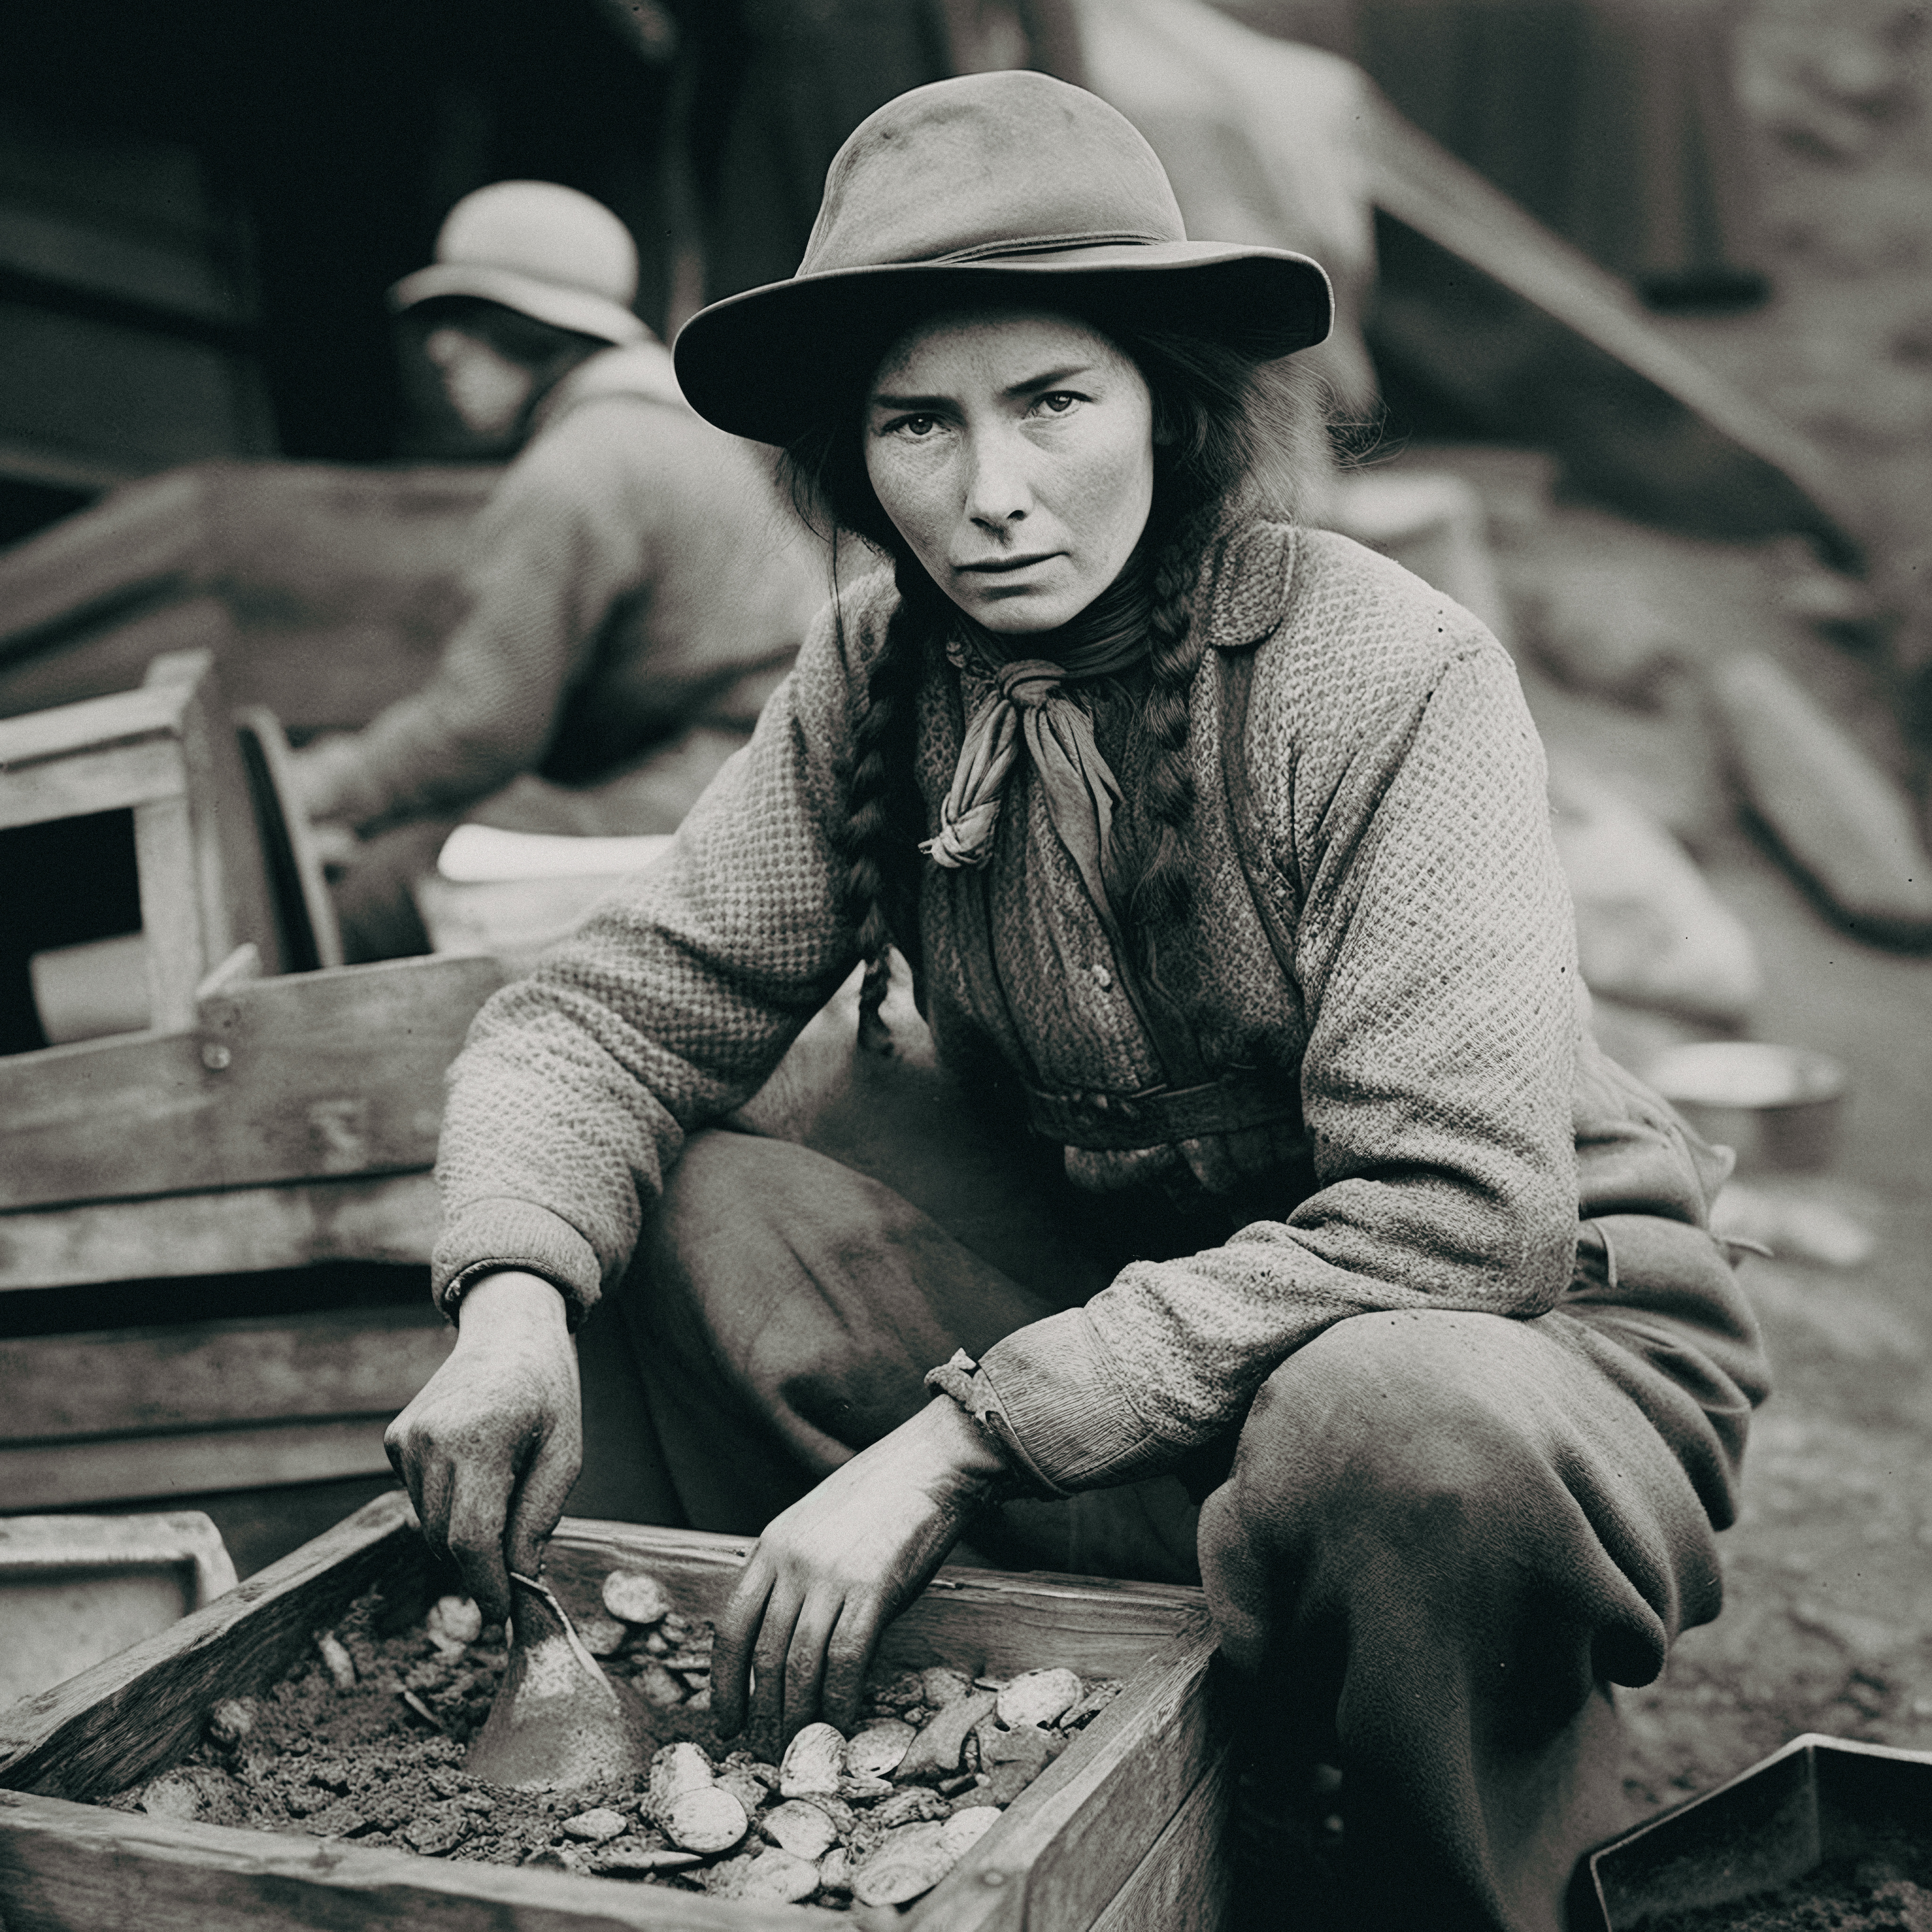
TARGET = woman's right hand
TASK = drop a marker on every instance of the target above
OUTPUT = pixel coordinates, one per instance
(492, 1443)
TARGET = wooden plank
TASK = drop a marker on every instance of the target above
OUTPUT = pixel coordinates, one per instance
(290, 1078)
(1067, 1845)
(68, 1868)
(106, 780)
(991, 1621)
(121, 717)
(138, 1712)
(1183, 1884)
(70, 1474)
(134, 1381)
(233, 1231)
(178, 956)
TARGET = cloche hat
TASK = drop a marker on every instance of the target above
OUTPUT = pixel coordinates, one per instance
(1013, 186)
(539, 247)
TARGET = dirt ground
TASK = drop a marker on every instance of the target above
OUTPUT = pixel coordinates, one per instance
(1829, 1621)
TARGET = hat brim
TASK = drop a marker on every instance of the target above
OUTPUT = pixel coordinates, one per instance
(762, 364)
(580, 310)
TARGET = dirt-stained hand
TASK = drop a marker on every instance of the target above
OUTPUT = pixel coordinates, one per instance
(492, 1443)
(797, 1638)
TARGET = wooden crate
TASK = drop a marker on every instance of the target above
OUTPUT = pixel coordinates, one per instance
(1122, 1834)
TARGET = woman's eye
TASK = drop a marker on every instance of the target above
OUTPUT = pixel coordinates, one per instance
(1056, 402)
(918, 427)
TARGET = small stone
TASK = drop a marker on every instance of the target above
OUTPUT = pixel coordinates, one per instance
(967, 1827)
(195, 1791)
(675, 1769)
(699, 1700)
(841, 1814)
(812, 1762)
(951, 1787)
(457, 1617)
(1038, 1697)
(440, 1831)
(336, 1659)
(555, 1857)
(657, 1686)
(935, 1752)
(1005, 1782)
(800, 1827)
(710, 1819)
(479, 1802)
(635, 1597)
(910, 1808)
(657, 1643)
(835, 1870)
(1093, 1701)
(231, 1721)
(603, 1637)
(634, 1860)
(597, 1824)
(865, 1790)
(331, 1771)
(1024, 1744)
(875, 1751)
(778, 1876)
(942, 1685)
(750, 1791)
(908, 1862)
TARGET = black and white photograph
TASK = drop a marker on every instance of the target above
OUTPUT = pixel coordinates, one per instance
(966, 965)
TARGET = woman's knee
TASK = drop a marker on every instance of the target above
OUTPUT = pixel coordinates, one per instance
(1473, 1456)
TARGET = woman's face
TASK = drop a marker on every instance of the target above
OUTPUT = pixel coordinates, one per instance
(1014, 453)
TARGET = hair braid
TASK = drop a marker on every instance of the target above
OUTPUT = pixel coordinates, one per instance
(1161, 891)
(883, 823)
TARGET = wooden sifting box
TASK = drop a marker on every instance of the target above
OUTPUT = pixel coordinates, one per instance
(1122, 1834)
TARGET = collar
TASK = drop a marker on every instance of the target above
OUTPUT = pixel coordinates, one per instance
(1245, 581)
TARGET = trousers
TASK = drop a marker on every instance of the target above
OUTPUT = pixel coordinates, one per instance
(1435, 1542)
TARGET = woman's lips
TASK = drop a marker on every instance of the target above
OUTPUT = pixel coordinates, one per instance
(1000, 566)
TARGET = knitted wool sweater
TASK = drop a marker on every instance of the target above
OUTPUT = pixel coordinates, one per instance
(1431, 1032)
(633, 565)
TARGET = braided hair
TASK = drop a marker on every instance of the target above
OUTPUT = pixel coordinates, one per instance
(1230, 434)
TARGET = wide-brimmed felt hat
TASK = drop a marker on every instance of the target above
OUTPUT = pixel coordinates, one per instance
(1012, 187)
(543, 250)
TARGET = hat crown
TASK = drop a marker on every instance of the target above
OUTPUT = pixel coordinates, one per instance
(986, 165)
(545, 231)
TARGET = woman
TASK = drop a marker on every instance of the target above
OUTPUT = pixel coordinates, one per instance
(1221, 849)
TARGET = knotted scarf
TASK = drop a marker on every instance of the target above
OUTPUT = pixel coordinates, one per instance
(1031, 706)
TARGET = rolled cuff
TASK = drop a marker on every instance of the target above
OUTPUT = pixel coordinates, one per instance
(489, 1236)
(1062, 1404)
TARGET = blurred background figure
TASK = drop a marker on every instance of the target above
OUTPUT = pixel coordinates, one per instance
(635, 586)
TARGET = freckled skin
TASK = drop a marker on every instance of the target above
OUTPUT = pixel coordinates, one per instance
(1014, 452)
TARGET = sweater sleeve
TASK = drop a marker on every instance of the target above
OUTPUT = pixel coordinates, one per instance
(565, 536)
(1434, 955)
(671, 1005)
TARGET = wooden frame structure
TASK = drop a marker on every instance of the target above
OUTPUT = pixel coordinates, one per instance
(1123, 1833)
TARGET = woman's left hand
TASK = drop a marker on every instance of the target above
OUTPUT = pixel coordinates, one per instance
(830, 1572)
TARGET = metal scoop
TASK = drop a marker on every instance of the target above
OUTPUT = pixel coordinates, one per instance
(559, 1722)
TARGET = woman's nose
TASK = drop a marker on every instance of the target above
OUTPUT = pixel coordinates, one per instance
(998, 490)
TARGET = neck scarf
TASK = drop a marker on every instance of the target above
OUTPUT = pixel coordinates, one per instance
(1031, 707)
